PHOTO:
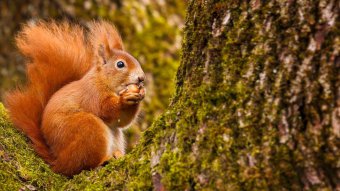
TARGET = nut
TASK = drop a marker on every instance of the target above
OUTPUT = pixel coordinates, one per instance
(132, 88)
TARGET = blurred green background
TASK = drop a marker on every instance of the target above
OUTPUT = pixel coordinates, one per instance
(151, 31)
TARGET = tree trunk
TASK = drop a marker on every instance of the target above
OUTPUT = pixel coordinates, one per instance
(257, 107)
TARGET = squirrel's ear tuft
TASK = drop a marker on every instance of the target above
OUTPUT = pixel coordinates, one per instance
(106, 35)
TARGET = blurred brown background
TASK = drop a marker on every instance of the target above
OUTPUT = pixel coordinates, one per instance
(151, 31)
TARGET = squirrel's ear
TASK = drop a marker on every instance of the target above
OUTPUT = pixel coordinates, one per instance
(100, 57)
(101, 53)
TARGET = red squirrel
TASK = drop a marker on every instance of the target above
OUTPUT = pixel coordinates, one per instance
(82, 89)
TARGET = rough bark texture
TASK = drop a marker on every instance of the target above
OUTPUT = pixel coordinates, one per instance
(257, 107)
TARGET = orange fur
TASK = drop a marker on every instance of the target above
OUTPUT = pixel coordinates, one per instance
(76, 98)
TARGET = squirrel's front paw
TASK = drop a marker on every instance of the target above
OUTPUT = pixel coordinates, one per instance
(130, 98)
(132, 95)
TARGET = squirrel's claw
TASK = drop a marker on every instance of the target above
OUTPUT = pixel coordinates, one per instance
(122, 91)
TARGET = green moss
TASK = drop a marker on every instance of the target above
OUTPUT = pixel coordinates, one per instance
(20, 167)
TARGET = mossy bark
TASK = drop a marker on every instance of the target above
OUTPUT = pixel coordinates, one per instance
(257, 107)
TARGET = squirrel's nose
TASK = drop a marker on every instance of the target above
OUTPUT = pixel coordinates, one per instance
(141, 79)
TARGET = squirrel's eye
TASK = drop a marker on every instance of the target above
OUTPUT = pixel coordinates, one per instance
(120, 64)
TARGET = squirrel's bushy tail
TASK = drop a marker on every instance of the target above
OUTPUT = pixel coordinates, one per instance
(58, 55)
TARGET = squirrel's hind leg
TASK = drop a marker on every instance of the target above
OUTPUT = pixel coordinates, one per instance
(90, 145)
